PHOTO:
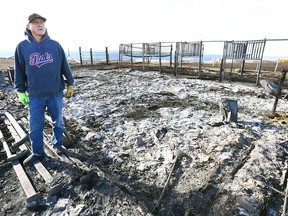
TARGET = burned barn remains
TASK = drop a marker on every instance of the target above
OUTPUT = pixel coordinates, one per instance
(154, 133)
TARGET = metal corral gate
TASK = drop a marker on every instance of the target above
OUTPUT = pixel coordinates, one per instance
(242, 50)
(188, 49)
(146, 51)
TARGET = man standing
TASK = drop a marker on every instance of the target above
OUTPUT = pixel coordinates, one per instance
(41, 72)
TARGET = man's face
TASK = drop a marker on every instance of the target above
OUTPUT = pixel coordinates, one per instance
(37, 27)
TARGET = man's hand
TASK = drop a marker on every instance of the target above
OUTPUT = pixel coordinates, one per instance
(69, 92)
(23, 98)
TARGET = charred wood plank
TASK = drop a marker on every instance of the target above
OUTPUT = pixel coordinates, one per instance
(37, 164)
(27, 186)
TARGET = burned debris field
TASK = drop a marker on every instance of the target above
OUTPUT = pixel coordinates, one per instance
(149, 143)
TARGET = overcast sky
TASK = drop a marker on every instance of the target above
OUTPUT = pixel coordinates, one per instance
(108, 23)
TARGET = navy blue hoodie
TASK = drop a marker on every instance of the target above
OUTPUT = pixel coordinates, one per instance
(41, 69)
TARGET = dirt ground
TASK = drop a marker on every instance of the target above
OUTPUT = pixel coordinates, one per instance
(140, 132)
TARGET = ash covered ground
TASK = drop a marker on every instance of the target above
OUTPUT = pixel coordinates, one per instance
(136, 130)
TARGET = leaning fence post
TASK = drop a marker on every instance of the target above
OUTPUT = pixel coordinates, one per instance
(221, 73)
(278, 93)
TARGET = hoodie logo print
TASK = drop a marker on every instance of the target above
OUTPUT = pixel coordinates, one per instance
(39, 60)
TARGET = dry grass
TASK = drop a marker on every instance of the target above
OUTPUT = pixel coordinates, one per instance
(5, 63)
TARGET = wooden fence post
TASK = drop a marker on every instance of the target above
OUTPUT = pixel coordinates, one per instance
(107, 55)
(91, 56)
(120, 56)
(143, 56)
(175, 62)
(80, 54)
(200, 60)
(171, 50)
(131, 57)
(160, 65)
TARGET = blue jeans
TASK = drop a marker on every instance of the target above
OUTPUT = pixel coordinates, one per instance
(37, 107)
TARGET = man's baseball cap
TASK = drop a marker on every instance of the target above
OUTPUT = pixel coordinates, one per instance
(35, 15)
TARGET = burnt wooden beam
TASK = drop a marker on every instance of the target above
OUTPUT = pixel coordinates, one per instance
(27, 186)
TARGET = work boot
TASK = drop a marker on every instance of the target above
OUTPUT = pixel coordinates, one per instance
(32, 158)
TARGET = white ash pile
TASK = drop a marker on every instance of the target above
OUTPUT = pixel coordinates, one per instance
(129, 127)
(137, 120)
